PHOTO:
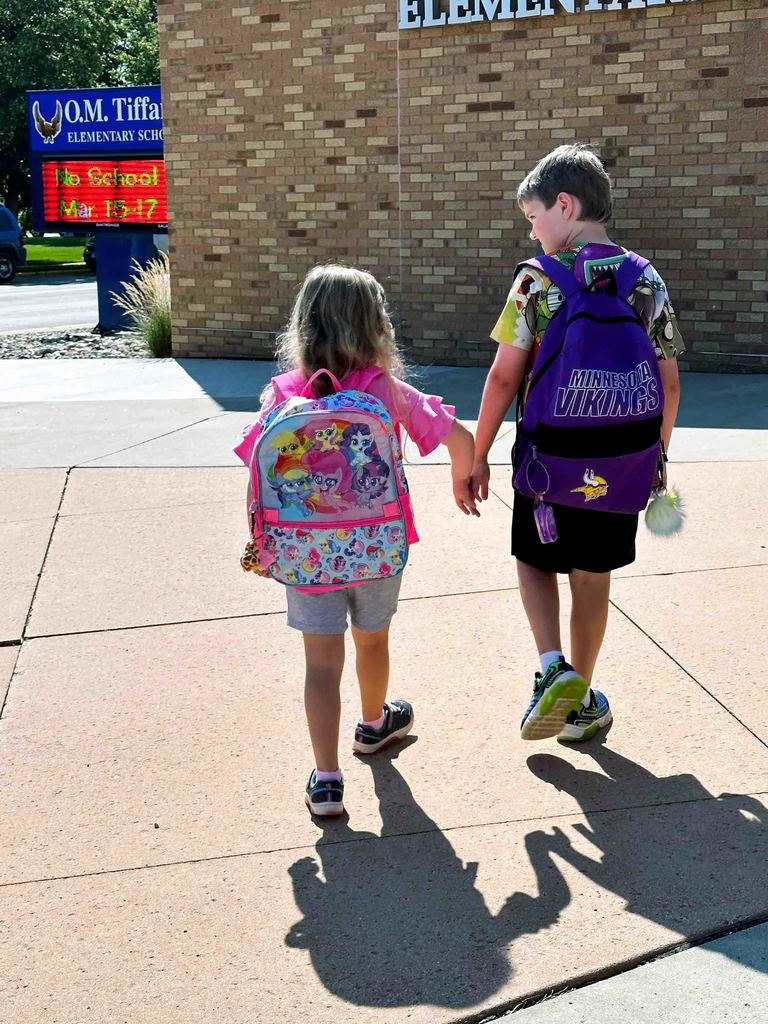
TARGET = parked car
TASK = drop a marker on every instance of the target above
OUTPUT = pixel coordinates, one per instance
(12, 251)
(89, 250)
(89, 253)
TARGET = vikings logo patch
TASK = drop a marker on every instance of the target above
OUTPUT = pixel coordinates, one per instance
(594, 486)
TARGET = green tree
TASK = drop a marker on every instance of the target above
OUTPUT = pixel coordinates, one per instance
(134, 59)
(59, 44)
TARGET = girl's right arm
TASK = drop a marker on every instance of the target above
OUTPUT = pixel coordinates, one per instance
(501, 386)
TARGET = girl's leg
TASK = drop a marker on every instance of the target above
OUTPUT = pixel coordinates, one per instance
(541, 601)
(589, 615)
(372, 650)
(322, 700)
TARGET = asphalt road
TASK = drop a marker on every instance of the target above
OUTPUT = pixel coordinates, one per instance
(39, 301)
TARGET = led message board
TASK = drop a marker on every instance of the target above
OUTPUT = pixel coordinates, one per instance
(104, 193)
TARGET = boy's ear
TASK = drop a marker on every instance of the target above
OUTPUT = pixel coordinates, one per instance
(569, 205)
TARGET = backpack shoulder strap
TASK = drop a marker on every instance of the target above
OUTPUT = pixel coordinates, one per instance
(629, 273)
(555, 271)
(289, 384)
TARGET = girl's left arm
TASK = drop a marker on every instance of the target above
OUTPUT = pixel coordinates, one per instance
(461, 448)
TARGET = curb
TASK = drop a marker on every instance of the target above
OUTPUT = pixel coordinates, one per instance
(54, 269)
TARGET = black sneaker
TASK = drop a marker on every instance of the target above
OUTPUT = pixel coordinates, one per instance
(398, 722)
(324, 798)
(556, 693)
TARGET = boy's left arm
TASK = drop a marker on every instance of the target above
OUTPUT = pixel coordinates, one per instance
(670, 379)
(651, 300)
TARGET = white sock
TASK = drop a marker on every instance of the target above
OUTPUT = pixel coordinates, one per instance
(587, 697)
(548, 657)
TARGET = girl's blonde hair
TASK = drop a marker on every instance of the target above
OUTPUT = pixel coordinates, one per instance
(339, 322)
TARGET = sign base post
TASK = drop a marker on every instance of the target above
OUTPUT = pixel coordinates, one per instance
(115, 253)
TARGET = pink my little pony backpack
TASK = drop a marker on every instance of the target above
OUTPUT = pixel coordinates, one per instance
(330, 506)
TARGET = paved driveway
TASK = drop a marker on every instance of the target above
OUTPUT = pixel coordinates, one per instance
(39, 301)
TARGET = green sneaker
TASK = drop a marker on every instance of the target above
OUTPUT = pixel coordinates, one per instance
(556, 693)
(586, 722)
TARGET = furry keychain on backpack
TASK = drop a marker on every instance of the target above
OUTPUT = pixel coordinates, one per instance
(666, 511)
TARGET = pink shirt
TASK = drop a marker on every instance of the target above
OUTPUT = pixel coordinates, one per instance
(425, 418)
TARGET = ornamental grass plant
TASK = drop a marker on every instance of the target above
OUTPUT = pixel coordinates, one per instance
(147, 303)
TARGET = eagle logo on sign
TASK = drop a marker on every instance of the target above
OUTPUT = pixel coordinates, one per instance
(47, 130)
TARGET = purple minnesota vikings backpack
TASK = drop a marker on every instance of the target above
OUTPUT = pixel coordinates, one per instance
(590, 431)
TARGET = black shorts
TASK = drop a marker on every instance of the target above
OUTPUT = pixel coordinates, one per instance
(586, 539)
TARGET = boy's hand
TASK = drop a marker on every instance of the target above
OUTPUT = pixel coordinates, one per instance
(481, 475)
(464, 498)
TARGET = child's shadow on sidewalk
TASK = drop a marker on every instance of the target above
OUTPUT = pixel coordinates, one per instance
(670, 861)
(398, 920)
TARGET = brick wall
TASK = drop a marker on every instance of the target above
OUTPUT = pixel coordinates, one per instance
(300, 131)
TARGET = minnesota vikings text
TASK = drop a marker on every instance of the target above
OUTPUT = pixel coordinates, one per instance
(600, 393)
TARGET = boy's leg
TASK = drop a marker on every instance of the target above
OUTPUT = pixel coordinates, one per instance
(541, 601)
(590, 592)
(559, 688)
(589, 615)
(322, 699)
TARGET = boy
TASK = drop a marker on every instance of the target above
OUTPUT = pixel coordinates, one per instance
(567, 201)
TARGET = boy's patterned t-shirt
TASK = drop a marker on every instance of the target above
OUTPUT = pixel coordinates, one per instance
(533, 300)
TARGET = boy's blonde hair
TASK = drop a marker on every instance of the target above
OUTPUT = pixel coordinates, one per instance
(577, 170)
(339, 322)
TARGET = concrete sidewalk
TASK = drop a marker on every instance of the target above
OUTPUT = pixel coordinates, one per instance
(158, 864)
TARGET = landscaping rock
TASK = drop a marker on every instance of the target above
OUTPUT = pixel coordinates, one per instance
(54, 343)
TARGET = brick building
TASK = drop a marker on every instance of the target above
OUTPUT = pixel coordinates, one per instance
(300, 131)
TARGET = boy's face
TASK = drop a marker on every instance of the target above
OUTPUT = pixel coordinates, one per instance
(552, 227)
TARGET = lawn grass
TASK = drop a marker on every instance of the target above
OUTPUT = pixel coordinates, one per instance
(53, 250)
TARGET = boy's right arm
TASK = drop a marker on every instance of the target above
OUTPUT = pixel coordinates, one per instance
(501, 386)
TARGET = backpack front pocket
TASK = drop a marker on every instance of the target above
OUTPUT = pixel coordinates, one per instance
(607, 484)
(337, 555)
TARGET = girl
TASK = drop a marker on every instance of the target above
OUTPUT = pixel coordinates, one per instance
(340, 323)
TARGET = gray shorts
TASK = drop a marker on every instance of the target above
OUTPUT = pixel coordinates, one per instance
(371, 607)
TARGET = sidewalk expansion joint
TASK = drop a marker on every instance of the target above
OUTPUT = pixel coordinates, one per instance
(4, 693)
(151, 625)
(215, 858)
(148, 440)
(502, 500)
(686, 572)
(20, 641)
(690, 675)
(125, 510)
(415, 597)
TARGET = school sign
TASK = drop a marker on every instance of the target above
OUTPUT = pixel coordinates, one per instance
(431, 13)
(116, 120)
(96, 159)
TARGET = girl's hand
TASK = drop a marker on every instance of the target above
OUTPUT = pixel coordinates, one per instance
(464, 498)
(481, 475)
